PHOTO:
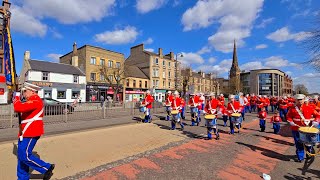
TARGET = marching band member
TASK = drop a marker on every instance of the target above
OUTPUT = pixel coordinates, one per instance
(260, 103)
(193, 104)
(211, 108)
(275, 120)
(297, 117)
(31, 129)
(223, 110)
(253, 103)
(243, 104)
(283, 108)
(273, 103)
(262, 117)
(168, 102)
(201, 105)
(233, 107)
(266, 102)
(290, 101)
(183, 105)
(148, 100)
(176, 105)
(247, 103)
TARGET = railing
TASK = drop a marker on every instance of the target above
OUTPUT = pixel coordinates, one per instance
(64, 113)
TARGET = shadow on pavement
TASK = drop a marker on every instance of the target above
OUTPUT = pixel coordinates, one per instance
(295, 177)
(187, 133)
(305, 169)
(269, 153)
(32, 176)
(276, 140)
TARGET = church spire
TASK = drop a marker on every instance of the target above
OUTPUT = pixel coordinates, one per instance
(235, 57)
(234, 75)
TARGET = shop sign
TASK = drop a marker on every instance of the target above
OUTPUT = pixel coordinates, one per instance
(134, 92)
(1, 91)
(42, 84)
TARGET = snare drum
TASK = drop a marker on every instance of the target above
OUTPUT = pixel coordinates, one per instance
(236, 115)
(142, 109)
(175, 114)
(309, 136)
(209, 116)
(211, 120)
(193, 109)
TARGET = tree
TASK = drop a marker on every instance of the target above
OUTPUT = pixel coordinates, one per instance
(312, 45)
(186, 74)
(301, 89)
(115, 77)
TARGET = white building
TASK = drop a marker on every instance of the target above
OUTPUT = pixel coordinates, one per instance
(62, 82)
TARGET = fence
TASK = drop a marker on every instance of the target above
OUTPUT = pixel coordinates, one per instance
(64, 113)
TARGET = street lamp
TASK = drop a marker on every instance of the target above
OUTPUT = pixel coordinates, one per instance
(176, 70)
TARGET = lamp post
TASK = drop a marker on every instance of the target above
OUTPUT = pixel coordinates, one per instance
(176, 70)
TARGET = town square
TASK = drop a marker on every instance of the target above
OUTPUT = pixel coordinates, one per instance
(159, 89)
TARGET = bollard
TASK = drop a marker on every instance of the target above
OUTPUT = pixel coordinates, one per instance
(104, 110)
(66, 113)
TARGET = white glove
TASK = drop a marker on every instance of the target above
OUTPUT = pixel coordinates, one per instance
(16, 94)
(315, 124)
(292, 124)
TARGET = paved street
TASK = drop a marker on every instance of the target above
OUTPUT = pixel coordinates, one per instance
(152, 151)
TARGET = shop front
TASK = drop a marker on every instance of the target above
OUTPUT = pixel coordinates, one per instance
(160, 95)
(3, 90)
(134, 94)
(97, 92)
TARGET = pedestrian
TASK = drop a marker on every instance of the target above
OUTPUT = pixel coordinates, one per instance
(275, 120)
(102, 100)
(262, 118)
(31, 129)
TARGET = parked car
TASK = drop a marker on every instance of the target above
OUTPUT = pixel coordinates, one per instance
(54, 107)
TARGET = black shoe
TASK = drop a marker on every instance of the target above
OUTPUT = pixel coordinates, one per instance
(49, 173)
(300, 161)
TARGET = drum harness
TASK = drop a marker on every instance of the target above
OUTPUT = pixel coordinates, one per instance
(303, 118)
(234, 112)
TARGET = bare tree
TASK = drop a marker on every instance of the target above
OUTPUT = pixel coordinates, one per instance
(301, 89)
(186, 74)
(312, 45)
(115, 77)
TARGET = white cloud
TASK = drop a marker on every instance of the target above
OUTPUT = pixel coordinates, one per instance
(204, 50)
(176, 3)
(278, 61)
(264, 23)
(212, 60)
(55, 33)
(252, 65)
(283, 34)
(302, 14)
(261, 46)
(26, 23)
(236, 18)
(144, 6)
(149, 49)
(310, 80)
(116, 37)
(71, 11)
(191, 58)
(148, 41)
(289, 73)
(222, 68)
(54, 57)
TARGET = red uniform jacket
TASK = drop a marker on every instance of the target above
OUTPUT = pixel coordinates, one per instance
(253, 100)
(236, 106)
(169, 99)
(148, 101)
(214, 104)
(275, 119)
(290, 102)
(193, 102)
(176, 104)
(260, 103)
(266, 102)
(33, 108)
(183, 102)
(262, 114)
(293, 116)
(201, 101)
(283, 104)
(274, 101)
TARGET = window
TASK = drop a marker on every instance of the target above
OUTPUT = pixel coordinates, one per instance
(110, 77)
(75, 79)
(93, 60)
(155, 83)
(61, 95)
(156, 61)
(164, 84)
(45, 76)
(155, 73)
(128, 83)
(47, 94)
(102, 77)
(118, 65)
(75, 94)
(169, 64)
(102, 62)
(140, 84)
(93, 76)
(164, 63)
(134, 83)
(1, 42)
(1, 65)
(163, 74)
(169, 84)
(110, 64)
(146, 84)
(1, 19)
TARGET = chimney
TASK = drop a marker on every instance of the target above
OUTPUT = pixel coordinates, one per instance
(160, 53)
(74, 58)
(137, 49)
(171, 56)
(6, 4)
(26, 55)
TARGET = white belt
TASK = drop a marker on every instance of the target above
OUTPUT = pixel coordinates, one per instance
(29, 121)
(301, 119)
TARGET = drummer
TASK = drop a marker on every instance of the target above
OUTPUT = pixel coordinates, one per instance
(233, 107)
(176, 105)
(296, 117)
(211, 108)
(148, 103)
(168, 103)
(193, 103)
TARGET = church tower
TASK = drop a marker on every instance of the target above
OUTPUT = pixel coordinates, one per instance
(234, 75)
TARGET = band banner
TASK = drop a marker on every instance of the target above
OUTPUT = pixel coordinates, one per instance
(9, 61)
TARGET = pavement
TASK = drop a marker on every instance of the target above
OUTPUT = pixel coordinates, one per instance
(152, 151)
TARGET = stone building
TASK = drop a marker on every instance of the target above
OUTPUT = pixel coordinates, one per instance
(234, 75)
(91, 59)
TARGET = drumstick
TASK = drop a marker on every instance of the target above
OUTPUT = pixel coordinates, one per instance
(310, 126)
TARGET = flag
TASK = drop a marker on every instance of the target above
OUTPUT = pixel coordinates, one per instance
(9, 61)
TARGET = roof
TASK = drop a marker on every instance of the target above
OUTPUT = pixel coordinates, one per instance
(155, 54)
(87, 45)
(46, 66)
(135, 71)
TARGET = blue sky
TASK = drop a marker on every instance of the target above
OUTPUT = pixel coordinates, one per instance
(268, 32)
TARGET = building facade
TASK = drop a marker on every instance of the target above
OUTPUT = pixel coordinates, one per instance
(160, 69)
(91, 60)
(197, 82)
(264, 82)
(61, 82)
(137, 83)
(3, 87)
(224, 86)
(288, 85)
(234, 74)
